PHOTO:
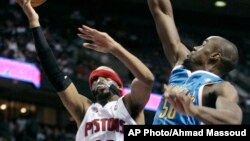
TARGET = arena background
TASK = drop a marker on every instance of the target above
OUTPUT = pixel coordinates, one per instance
(30, 112)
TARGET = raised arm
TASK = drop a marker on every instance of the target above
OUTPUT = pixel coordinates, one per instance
(75, 103)
(162, 13)
(141, 85)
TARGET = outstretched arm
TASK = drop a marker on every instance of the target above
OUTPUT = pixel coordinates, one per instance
(141, 85)
(75, 103)
(226, 109)
(162, 13)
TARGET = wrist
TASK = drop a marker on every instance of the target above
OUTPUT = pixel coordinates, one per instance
(115, 48)
(194, 111)
(34, 23)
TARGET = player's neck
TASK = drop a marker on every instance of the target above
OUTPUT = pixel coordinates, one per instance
(209, 68)
(103, 102)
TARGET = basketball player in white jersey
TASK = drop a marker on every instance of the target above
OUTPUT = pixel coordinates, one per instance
(104, 119)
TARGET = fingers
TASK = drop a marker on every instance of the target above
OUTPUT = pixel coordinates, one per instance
(171, 100)
(91, 34)
(87, 33)
(90, 46)
(84, 31)
(87, 30)
(20, 2)
(167, 91)
(85, 36)
(26, 1)
(179, 98)
(23, 2)
(182, 91)
(179, 93)
(169, 95)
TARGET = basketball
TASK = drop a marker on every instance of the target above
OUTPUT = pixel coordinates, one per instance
(36, 3)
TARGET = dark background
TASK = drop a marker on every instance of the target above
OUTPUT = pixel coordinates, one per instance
(131, 24)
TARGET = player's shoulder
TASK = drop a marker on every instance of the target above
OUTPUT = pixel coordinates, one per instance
(226, 89)
(224, 85)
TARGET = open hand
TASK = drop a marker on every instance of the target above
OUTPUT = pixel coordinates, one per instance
(101, 41)
(180, 99)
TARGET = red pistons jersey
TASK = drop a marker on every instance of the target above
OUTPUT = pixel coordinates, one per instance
(104, 123)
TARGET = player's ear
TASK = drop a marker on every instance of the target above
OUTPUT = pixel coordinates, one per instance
(214, 57)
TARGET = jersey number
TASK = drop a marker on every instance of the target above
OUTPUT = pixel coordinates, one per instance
(168, 111)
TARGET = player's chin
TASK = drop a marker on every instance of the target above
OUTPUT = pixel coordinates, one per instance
(103, 96)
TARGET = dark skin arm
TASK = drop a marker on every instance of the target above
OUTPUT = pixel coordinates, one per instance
(174, 50)
(226, 109)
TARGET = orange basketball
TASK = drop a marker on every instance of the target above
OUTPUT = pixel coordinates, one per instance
(35, 3)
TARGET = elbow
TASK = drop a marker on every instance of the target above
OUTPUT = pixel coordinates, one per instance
(154, 7)
(149, 79)
(160, 7)
(237, 118)
(234, 118)
(152, 3)
(235, 121)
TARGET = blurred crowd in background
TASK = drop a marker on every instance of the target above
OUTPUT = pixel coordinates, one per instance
(136, 32)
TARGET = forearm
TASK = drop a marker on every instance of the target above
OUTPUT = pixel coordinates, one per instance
(138, 69)
(34, 23)
(217, 116)
(75, 103)
(58, 79)
(33, 19)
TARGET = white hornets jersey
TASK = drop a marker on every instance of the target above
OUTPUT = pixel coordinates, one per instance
(104, 123)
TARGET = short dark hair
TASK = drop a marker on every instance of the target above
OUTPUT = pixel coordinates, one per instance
(229, 56)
